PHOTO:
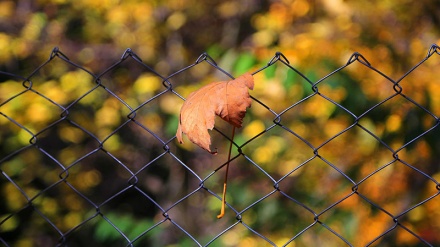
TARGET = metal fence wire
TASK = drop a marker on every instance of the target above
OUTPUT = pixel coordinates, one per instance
(91, 159)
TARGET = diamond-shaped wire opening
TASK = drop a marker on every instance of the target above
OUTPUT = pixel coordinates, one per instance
(11, 85)
(384, 188)
(355, 150)
(255, 238)
(66, 142)
(422, 218)
(98, 112)
(317, 120)
(158, 115)
(357, 87)
(420, 152)
(247, 183)
(92, 232)
(167, 232)
(278, 87)
(134, 144)
(278, 151)
(47, 91)
(154, 174)
(277, 217)
(33, 171)
(342, 219)
(66, 212)
(95, 168)
(34, 226)
(59, 71)
(261, 117)
(203, 71)
(317, 194)
(121, 208)
(173, 233)
(402, 236)
(318, 235)
(421, 84)
(403, 122)
(15, 199)
(106, 231)
(131, 82)
(203, 204)
(32, 111)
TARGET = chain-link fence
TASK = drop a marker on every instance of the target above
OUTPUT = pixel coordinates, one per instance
(350, 159)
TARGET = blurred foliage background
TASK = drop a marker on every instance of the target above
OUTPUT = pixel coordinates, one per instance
(317, 37)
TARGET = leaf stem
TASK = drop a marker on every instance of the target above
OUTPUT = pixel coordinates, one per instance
(225, 182)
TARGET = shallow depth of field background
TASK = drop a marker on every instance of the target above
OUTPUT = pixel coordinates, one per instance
(316, 37)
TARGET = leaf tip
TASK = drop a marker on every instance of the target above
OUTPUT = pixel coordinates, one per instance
(248, 80)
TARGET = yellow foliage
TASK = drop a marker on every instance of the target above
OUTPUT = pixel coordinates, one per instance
(248, 241)
(72, 219)
(147, 84)
(113, 143)
(5, 52)
(15, 200)
(91, 178)
(231, 238)
(300, 8)
(393, 123)
(39, 113)
(71, 134)
(67, 156)
(49, 206)
(170, 104)
(25, 243)
(253, 128)
(109, 114)
(10, 224)
(24, 137)
(6, 9)
(176, 20)
(55, 93)
(319, 108)
(76, 82)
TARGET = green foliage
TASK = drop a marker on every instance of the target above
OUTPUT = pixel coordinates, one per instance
(244, 63)
(105, 232)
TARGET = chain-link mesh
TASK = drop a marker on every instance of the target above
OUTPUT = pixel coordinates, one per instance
(91, 159)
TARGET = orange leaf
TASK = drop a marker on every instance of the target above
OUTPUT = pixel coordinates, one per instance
(227, 99)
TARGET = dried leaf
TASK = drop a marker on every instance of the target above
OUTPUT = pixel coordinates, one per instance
(227, 99)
